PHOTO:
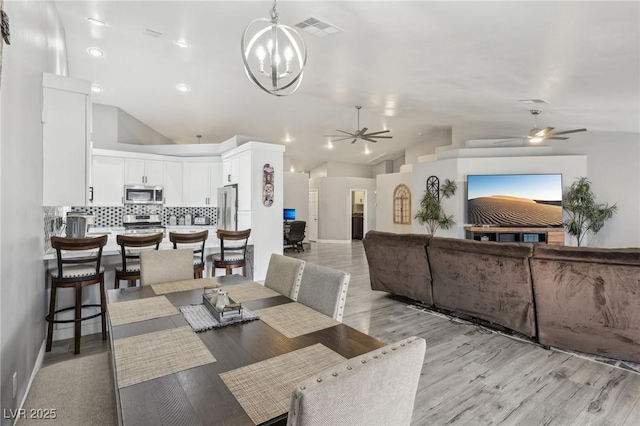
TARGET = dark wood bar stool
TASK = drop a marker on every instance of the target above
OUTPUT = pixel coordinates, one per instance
(234, 255)
(130, 268)
(196, 241)
(77, 273)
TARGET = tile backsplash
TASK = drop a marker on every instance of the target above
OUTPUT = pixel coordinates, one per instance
(53, 217)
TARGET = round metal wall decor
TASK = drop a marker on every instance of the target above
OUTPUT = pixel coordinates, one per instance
(433, 186)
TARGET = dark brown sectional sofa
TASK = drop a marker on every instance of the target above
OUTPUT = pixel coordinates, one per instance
(586, 299)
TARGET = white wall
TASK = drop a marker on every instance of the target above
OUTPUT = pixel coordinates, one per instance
(397, 164)
(338, 169)
(382, 168)
(334, 210)
(571, 167)
(319, 172)
(296, 194)
(37, 46)
(385, 185)
(431, 140)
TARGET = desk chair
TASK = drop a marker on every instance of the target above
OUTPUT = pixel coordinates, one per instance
(233, 251)
(77, 273)
(376, 388)
(196, 241)
(296, 234)
(163, 266)
(284, 275)
(130, 268)
(324, 289)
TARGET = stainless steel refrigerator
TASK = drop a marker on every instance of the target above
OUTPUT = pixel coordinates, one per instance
(228, 207)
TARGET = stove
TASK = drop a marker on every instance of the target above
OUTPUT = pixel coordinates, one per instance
(136, 224)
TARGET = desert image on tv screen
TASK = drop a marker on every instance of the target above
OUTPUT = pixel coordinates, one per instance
(525, 200)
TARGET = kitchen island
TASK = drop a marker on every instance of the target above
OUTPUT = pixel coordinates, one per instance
(110, 259)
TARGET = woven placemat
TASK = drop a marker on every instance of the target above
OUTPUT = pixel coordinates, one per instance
(249, 291)
(295, 319)
(157, 354)
(140, 310)
(264, 389)
(185, 285)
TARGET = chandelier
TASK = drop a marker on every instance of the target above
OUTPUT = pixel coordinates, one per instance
(275, 56)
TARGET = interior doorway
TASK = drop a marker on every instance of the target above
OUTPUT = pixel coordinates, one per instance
(358, 213)
(312, 226)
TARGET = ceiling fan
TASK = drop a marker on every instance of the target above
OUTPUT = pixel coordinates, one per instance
(360, 133)
(537, 135)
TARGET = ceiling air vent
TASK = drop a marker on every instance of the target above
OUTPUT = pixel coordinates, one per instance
(317, 27)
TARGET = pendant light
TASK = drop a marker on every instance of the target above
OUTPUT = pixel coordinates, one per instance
(274, 56)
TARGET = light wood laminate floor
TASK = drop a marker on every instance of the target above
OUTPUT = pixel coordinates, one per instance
(470, 375)
(477, 377)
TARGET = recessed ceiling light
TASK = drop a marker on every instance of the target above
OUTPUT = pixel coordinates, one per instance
(183, 87)
(330, 145)
(366, 151)
(95, 52)
(182, 44)
(292, 169)
(97, 22)
(96, 89)
(288, 139)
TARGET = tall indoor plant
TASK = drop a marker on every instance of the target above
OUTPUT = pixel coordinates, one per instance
(431, 214)
(585, 214)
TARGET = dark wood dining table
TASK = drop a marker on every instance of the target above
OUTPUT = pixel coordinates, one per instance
(198, 395)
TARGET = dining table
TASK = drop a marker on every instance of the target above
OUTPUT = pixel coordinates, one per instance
(165, 373)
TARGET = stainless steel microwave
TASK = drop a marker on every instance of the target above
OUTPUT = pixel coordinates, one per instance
(143, 194)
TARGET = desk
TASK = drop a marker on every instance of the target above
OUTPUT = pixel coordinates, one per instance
(198, 395)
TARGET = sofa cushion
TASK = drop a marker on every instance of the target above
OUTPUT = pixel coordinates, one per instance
(487, 280)
(587, 299)
(398, 264)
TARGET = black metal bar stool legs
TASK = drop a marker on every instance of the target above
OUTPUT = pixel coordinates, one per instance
(77, 273)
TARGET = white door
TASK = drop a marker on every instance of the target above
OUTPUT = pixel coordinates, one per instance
(173, 186)
(312, 226)
(198, 183)
(154, 172)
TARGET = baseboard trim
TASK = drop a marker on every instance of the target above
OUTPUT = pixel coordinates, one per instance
(335, 241)
(36, 368)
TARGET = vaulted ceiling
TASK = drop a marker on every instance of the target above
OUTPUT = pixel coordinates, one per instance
(414, 66)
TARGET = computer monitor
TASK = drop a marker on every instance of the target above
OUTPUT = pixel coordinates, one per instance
(289, 214)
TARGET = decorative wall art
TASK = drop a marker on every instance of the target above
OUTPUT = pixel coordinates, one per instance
(4, 29)
(267, 185)
(402, 205)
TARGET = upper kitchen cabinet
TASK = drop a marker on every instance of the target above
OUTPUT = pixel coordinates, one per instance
(144, 172)
(202, 180)
(173, 184)
(66, 130)
(107, 181)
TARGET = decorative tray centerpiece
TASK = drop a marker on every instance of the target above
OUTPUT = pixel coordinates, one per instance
(221, 306)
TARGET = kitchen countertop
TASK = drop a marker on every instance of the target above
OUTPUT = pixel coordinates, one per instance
(112, 247)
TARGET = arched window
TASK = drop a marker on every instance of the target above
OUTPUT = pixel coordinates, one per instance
(402, 205)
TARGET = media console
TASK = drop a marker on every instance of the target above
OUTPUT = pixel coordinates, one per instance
(553, 236)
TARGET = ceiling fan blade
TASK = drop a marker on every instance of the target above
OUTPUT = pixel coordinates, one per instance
(379, 133)
(377, 137)
(542, 133)
(556, 138)
(341, 139)
(368, 140)
(354, 141)
(345, 132)
(363, 131)
(568, 131)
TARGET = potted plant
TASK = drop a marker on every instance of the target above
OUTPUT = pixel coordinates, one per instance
(585, 214)
(431, 214)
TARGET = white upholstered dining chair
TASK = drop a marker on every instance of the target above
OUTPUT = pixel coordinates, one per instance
(324, 289)
(284, 275)
(377, 388)
(163, 266)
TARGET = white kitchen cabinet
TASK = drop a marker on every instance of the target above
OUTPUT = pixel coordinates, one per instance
(231, 170)
(107, 181)
(202, 182)
(66, 119)
(144, 172)
(173, 183)
(244, 181)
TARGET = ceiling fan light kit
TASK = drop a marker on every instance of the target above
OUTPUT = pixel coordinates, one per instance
(360, 133)
(274, 55)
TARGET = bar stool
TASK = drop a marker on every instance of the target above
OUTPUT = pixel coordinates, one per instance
(231, 256)
(77, 273)
(130, 268)
(196, 241)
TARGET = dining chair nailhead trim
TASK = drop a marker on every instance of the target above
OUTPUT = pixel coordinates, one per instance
(364, 361)
(393, 348)
(375, 357)
(384, 352)
(302, 388)
(319, 379)
(335, 374)
(349, 368)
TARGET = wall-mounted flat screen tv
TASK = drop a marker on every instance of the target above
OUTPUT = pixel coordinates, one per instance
(514, 200)
(289, 214)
